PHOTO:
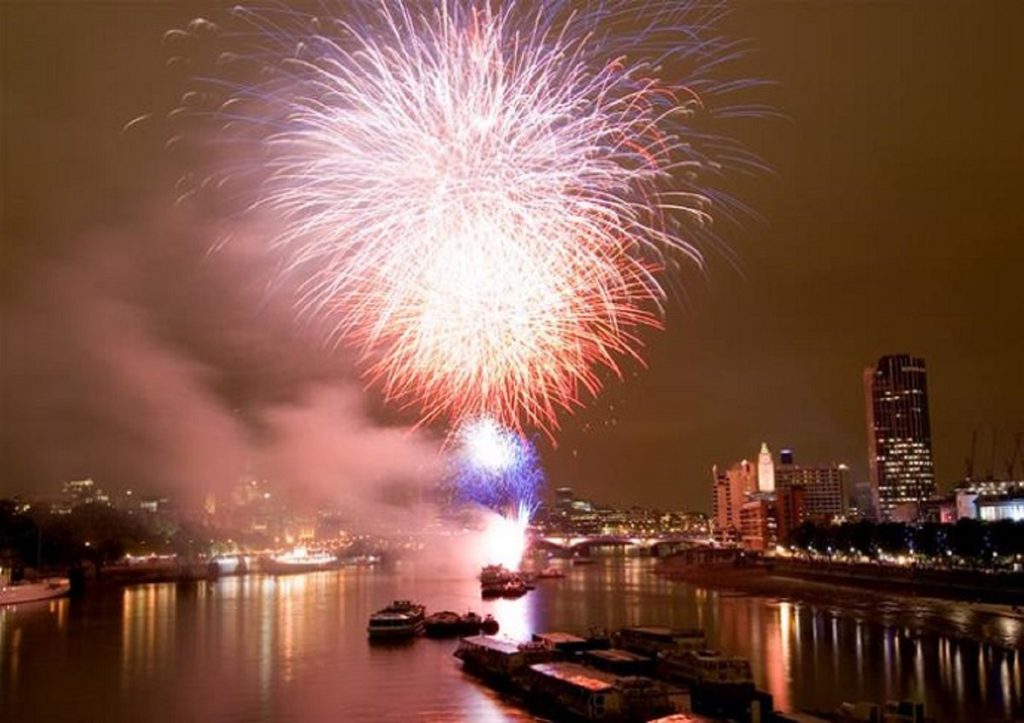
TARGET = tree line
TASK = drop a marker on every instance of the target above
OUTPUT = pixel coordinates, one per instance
(972, 540)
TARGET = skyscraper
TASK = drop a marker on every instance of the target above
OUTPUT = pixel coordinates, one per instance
(899, 433)
(765, 470)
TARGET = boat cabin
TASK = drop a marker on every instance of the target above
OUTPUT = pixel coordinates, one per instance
(652, 640)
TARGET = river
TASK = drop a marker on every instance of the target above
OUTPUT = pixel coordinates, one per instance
(261, 648)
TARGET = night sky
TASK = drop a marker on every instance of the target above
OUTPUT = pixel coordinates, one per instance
(892, 223)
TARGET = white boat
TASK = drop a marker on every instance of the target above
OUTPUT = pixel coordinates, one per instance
(401, 619)
(298, 560)
(26, 592)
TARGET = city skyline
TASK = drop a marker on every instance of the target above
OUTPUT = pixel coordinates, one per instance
(768, 346)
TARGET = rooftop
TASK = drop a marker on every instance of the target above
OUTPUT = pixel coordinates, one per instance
(576, 674)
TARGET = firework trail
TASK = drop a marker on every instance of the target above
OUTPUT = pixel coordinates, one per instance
(479, 197)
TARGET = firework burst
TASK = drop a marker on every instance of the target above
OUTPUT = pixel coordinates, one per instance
(479, 197)
(497, 468)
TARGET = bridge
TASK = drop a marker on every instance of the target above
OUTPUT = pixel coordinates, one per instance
(657, 545)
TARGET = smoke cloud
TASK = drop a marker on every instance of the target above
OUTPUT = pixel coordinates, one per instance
(145, 361)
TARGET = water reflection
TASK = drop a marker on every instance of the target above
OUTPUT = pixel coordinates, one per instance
(262, 648)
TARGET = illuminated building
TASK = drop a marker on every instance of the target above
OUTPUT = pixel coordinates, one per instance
(765, 470)
(993, 509)
(824, 487)
(899, 433)
(731, 490)
(758, 523)
(80, 492)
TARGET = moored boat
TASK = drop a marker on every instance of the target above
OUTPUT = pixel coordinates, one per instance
(14, 593)
(502, 660)
(512, 588)
(400, 619)
(443, 624)
(297, 561)
(448, 624)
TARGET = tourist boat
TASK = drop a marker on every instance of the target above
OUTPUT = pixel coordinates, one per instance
(708, 670)
(493, 574)
(14, 593)
(654, 640)
(583, 560)
(400, 619)
(550, 573)
(298, 560)
(580, 692)
(499, 581)
(569, 690)
(511, 588)
(500, 659)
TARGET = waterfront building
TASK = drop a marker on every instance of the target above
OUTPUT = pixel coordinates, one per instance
(899, 432)
(765, 470)
(1002, 507)
(731, 488)
(790, 509)
(824, 487)
(758, 523)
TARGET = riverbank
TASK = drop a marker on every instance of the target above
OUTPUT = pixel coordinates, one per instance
(1006, 589)
(988, 622)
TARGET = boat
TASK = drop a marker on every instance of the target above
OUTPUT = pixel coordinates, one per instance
(227, 565)
(511, 588)
(583, 560)
(580, 692)
(537, 673)
(499, 581)
(550, 573)
(443, 624)
(656, 640)
(708, 669)
(448, 624)
(14, 593)
(298, 560)
(500, 659)
(400, 619)
(491, 574)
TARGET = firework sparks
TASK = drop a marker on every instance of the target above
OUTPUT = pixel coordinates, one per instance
(498, 469)
(479, 197)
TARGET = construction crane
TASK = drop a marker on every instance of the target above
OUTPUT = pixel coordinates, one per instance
(992, 460)
(969, 461)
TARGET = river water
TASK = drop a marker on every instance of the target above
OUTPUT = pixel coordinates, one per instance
(261, 648)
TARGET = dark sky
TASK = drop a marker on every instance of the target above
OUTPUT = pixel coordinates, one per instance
(893, 223)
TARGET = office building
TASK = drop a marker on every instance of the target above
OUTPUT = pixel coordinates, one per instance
(732, 488)
(899, 433)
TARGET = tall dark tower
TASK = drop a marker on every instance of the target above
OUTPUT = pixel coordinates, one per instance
(899, 432)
